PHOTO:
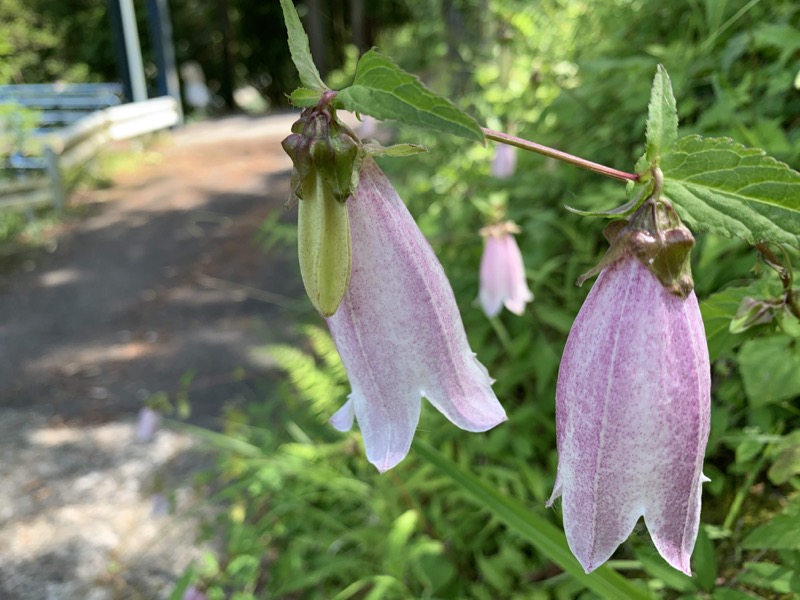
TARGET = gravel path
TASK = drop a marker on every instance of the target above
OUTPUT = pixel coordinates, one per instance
(163, 277)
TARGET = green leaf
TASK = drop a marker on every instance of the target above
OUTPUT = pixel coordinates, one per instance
(657, 567)
(705, 561)
(770, 368)
(304, 97)
(298, 47)
(729, 594)
(183, 584)
(540, 532)
(771, 576)
(383, 90)
(718, 310)
(781, 533)
(662, 118)
(720, 186)
(787, 463)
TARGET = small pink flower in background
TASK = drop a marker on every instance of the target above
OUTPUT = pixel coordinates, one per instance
(505, 161)
(192, 593)
(399, 332)
(147, 424)
(159, 505)
(502, 274)
(632, 417)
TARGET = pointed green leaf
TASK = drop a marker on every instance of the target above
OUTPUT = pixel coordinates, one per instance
(657, 567)
(662, 118)
(383, 90)
(769, 576)
(704, 561)
(298, 47)
(540, 532)
(720, 186)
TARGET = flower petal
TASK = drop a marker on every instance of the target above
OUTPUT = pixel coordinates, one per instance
(494, 282)
(505, 161)
(398, 329)
(632, 417)
(518, 294)
(342, 420)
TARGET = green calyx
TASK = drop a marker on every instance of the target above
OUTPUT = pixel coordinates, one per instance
(327, 157)
(655, 235)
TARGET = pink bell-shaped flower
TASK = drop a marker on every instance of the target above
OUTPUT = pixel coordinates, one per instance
(505, 161)
(502, 273)
(399, 332)
(147, 424)
(192, 593)
(632, 415)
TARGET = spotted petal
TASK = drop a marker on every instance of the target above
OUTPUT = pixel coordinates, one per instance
(632, 412)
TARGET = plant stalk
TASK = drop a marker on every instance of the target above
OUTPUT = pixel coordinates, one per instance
(512, 140)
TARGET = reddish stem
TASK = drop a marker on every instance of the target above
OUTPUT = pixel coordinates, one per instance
(513, 140)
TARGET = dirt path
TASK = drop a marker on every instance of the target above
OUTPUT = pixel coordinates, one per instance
(164, 277)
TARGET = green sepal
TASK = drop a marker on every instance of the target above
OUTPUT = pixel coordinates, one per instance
(305, 97)
(327, 157)
(374, 148)
(337, 159)
(323, 244)
(654, 235)
(620, 211)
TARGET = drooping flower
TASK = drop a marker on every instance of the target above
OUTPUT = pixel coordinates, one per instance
(192, 593)
(633, 404)
(505, 161)
(159, 504)
(399, 332)
(147, 424)
(502, 274)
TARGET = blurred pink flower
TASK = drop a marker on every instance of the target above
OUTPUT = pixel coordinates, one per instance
(502, 273)
(505, 161)
(632, 416)
(159, 505)
(399, 332)
(147, 424)
(192, 593)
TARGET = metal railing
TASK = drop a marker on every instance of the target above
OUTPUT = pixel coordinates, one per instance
(72, 146)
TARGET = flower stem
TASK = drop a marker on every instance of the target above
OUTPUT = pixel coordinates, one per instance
(513, 140)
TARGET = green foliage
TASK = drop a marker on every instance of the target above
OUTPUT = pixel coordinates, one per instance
(724, 187)
(298, 46)
(383, 90)
(662, 118)
(302, 498)
(530, 525)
